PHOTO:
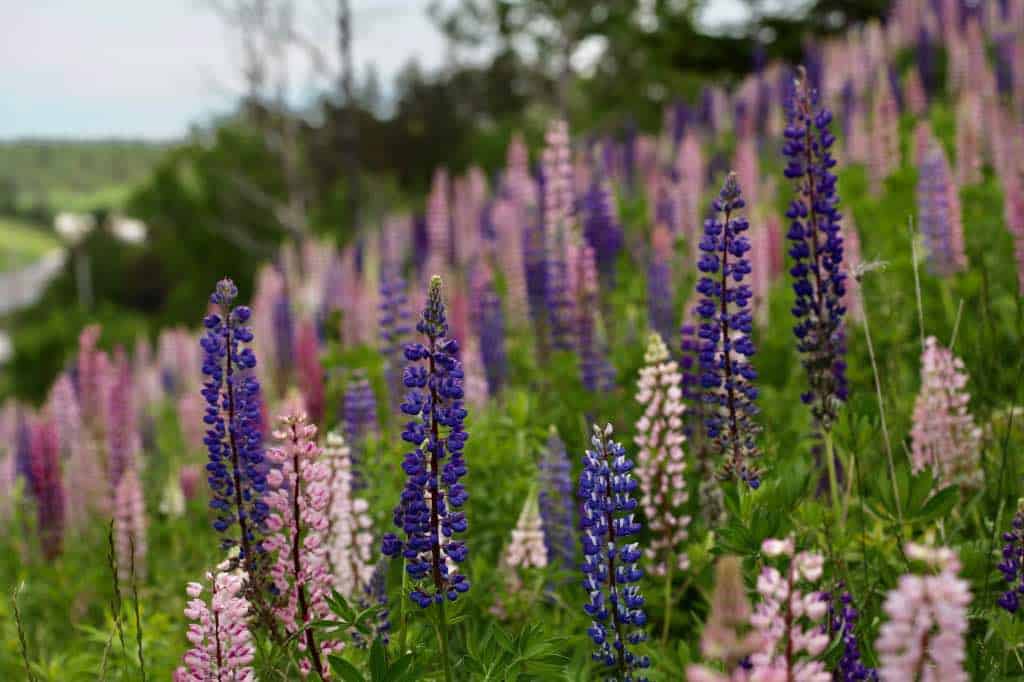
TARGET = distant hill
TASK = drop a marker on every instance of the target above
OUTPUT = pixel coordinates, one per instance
(57, 175)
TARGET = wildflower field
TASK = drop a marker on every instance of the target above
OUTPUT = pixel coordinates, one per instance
(736, 399)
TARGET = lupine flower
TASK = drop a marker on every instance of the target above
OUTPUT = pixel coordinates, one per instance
(968, 138)
(310, 371)
(94, 377)
(122, 427)
(439, 228)
(945, 437)
(555, 502)
(130, 525)
(489, 320)
(510, 223)
(283, 326)
(914, 94)
(350, 536)
(817, 252)
(927, 621)
(558, 209)
(377, 593)
(726, 373)
(86, 486)
(938, 209)
(46, 486)
(359, 410)
(596, 372)
(431, 502)
(394, 324)
(885, 134)
(660, 307)
(222, 647)
(610, 563)
(236, 471)
(1013, 561)
(727, 635)
(661, 460)
(601, 228)
(188, 481)
(526, 547)
(300, 575)
(689, 168)
(842, 621)
(788, 618)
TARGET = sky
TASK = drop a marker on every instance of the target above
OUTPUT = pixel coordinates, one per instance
(151, 68)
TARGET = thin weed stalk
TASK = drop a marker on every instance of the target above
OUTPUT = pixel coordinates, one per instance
(22, 641)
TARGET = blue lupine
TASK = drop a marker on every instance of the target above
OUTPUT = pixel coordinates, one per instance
(817, 253)
(236, 470)
(359, 410)
(490, 322)
(394, 323)
(555, 502)
(1010, 566)
(727, 377)
(429, 512)
(610, 566)
(842, 622)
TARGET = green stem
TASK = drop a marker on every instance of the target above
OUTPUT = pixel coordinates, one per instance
(442, 637)
(833, 479)
(669, 565)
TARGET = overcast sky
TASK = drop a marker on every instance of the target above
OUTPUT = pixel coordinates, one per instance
(149, 68)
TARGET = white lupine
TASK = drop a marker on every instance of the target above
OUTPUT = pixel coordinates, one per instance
(661, 461)
(350, 545)
(526, 549)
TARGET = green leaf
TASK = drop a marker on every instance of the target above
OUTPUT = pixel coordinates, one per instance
(345, 669)
(940, 504)
(378, 662)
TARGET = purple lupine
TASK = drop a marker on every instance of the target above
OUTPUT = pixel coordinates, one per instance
(236, 472)
(122, 427)
(490, 324)
(1010, 566)
(817, 253)
(395, 324)
(842, 622)
(555, 501)
(359, 410)
(46, 485)
(429, 513)
(596, 372)
(284, 336)
(558, 210)
(938, 214)
(601, 228)
(727, 377)
(610, 564)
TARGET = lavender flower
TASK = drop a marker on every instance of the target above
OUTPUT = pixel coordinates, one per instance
(236, 470)
(817, 252)
(555, 502)
(726, 373)
(610, 570)
(430, 503)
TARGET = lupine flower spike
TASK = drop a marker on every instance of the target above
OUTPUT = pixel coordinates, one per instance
(236, 470)
(298, 524)
(555, 502)
(727, 377)
(526, 547)
(789, 619)
(1013, 562)
(817, 252)
(610, 562)
(727, 636)
(350, 538)
(429, 511)
(661, 460)
(924, 637)
(842, 622)
(222, 647)
(945, 437)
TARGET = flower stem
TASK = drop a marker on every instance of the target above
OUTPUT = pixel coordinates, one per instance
(669, 565)
(442, 637)
(833, 479)
(404, 612)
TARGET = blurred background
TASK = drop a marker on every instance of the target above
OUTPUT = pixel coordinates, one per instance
(147, 149)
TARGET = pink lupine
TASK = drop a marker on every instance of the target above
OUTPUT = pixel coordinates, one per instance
(297, 526)
(130, 525)
(310, 371)
(968, 138)
(94, 375)
(509, 218)
(945, 437)
(788, 619)
(84, 480)
(191, 407)
(689, 166)
(914, 94)
(661, 461)
(350, 535)
(885, 133)
(439, 235)
(122, 427)
(222, 649)
(46, 486)
(924, 636)
(857, 141)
